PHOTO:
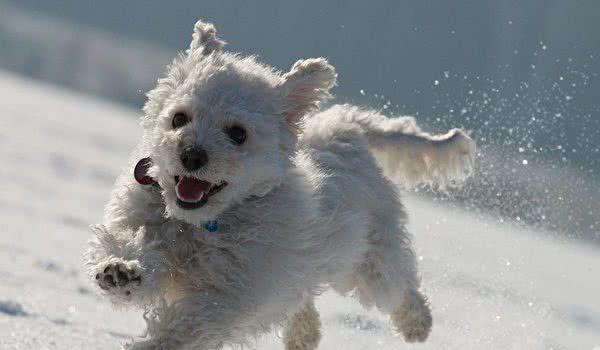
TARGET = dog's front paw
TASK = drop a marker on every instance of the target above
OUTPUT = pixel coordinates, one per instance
(119, 277)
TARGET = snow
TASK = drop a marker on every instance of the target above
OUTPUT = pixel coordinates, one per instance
(492, 285)
(12, 308)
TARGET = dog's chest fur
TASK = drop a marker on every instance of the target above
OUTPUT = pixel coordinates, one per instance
(284, 225)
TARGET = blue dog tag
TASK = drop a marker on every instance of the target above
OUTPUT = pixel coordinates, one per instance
(211, 226)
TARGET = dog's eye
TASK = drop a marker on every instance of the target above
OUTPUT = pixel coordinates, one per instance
(236, 134)
(179, 120)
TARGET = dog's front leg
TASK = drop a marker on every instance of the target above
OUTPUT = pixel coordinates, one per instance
(200, 321)
(125, 265)
(124, 257)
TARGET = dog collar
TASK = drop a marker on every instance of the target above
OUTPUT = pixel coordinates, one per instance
(211, 226)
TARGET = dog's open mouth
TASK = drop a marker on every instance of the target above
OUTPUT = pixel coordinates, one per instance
(193, 193)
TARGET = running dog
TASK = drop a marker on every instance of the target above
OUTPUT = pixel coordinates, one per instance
(244, 200)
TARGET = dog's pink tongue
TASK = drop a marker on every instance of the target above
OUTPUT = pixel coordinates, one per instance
(191, 190)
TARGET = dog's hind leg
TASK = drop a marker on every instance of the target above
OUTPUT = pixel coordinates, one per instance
(413, 317)
(349, 143)
(387, 278)
(302, 330)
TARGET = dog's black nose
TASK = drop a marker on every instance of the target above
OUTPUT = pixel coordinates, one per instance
(193, 158)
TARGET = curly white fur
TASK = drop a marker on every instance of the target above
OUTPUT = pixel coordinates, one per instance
(306, 206)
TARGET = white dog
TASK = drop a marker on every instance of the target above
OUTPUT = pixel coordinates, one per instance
(243, 201)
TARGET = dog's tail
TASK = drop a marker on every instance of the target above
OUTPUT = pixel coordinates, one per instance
(411, 156)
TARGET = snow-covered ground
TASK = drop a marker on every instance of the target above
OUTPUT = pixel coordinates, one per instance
(492, 285)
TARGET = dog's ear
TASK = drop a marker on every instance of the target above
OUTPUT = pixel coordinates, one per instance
(305, 86)
(205, 39)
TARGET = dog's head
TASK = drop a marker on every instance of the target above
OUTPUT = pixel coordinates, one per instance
(221, 128)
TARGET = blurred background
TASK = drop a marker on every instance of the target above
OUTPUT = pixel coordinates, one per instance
(522, 76)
